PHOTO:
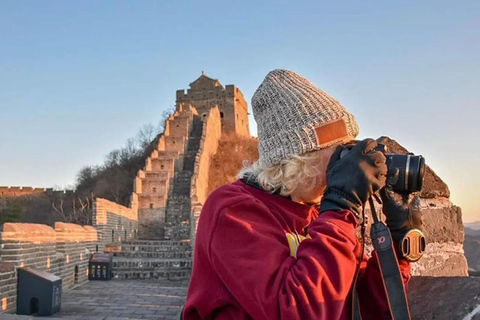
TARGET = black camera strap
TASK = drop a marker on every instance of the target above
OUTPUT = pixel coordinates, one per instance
(389, 268)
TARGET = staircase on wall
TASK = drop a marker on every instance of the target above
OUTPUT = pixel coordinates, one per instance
(177, 216)
(149, 259)
(168, 253)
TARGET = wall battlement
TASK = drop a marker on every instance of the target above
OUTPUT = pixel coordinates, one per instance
(6, 191)
(63, 251)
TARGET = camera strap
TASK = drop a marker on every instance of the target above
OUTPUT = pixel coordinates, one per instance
(389, 268)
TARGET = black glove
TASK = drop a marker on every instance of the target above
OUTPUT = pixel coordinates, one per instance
(402, 210)
(353, 176)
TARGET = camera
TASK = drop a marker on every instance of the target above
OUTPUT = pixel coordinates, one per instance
(411, 169)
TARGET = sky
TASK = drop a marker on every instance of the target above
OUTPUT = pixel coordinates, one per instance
(78, 78)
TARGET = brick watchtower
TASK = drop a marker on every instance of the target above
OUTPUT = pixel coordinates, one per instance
(205, 93)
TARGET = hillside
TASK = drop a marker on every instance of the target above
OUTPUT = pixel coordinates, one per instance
(473, 225)
(471, 247)
(46, 208)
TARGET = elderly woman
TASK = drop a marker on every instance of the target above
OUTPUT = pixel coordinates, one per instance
(280, 242)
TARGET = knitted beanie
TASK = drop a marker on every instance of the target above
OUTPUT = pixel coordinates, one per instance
(294, 117)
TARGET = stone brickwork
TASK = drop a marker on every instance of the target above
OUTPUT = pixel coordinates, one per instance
(173, 185)
(8, 287)
(206, 93)
(74, 244)
(63, 251)
(164, 169)
(151, 259)
(114, 222)
(177, 215)
(199, 184)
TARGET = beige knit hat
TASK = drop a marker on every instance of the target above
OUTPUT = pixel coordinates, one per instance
(294, 116)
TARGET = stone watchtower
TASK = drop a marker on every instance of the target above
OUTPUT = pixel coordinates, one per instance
(206, 93)
(173, 183)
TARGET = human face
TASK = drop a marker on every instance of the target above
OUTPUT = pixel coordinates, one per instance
(313, 196)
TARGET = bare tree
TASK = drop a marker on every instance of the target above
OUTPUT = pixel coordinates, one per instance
(72, 208)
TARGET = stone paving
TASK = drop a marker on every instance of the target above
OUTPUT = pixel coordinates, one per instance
(119, 300)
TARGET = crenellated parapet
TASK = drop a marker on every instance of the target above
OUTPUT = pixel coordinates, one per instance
(63, 251)
(6, 191)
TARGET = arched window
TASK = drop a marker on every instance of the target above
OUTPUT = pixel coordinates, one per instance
(221, 115)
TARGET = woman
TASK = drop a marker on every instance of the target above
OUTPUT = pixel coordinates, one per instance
(280, 242)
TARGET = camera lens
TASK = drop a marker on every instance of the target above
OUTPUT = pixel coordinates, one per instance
(417, 169)
(411, 171)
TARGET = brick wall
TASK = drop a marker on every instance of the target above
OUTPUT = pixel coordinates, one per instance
(8, 287)
(74, 244)
(151, 223)
(199, 182)
(114, 222)
(63, 251)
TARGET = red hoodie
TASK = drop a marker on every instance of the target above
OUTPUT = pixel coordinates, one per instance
(249, 263)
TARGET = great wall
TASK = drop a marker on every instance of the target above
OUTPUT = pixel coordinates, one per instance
(153, 237)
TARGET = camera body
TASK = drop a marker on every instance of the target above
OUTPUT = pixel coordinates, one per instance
(411, 169)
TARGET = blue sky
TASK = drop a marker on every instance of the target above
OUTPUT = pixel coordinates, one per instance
(78, 78)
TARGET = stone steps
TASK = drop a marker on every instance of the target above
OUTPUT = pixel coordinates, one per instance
(185, 244)
(144, 259)
(155, 254)
(149, 263)
(166, 274)
(152, 249)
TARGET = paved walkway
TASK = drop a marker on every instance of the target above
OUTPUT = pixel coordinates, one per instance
(119, 300)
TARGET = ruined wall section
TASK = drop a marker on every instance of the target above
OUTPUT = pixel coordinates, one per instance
(114, 222)
(209, 142)
(442, 226)
(154, 184)
(206, 93)
(63, 251)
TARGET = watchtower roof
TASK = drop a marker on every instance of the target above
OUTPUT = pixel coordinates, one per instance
(204, 82)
